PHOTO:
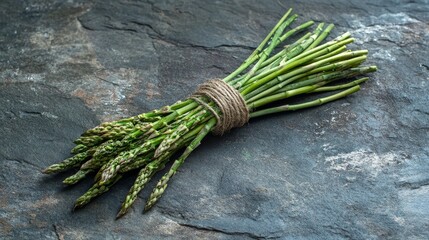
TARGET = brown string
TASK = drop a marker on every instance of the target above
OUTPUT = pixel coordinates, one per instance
(233, 108)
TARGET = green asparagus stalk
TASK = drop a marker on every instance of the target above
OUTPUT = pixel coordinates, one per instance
(69, 162)
(294, 107)
(79, 175)
(96, 190)
(162, 184)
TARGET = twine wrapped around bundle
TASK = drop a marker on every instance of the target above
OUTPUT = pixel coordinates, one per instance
(233, 109)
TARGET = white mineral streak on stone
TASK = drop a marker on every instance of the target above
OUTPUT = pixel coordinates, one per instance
(399, 220)
(49, 115)
(327, 147)
(384, 54)
(387, 19)
(386, 26)
(374, 32)
(363, 161)
(393, 19)
(169, 227)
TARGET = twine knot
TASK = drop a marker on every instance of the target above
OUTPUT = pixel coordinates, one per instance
(232, 106)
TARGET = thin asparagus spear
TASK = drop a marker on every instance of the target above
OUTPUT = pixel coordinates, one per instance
(96, 190)
(251, 59)
(341, 86)
(79, 175)
(69, 162)
(162, 184)
(294, 107)
(298, 29)
(321, 37)
(275, 40)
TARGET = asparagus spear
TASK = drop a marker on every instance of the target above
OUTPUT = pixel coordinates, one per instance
(162, 184)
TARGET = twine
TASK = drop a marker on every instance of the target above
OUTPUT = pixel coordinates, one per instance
(233, 108)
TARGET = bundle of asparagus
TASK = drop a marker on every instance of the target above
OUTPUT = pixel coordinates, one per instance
(149, 140)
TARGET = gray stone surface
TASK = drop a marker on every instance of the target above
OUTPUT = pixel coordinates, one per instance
(354, 169)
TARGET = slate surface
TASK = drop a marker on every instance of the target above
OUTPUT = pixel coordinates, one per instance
(354, 169)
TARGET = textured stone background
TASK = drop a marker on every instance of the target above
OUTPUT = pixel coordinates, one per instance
(354, 169)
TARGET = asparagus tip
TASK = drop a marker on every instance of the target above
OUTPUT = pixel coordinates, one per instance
(121, 213)
(79, 204)
(75, 207)
(147, 208)
(51, 169)
(68, 181)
